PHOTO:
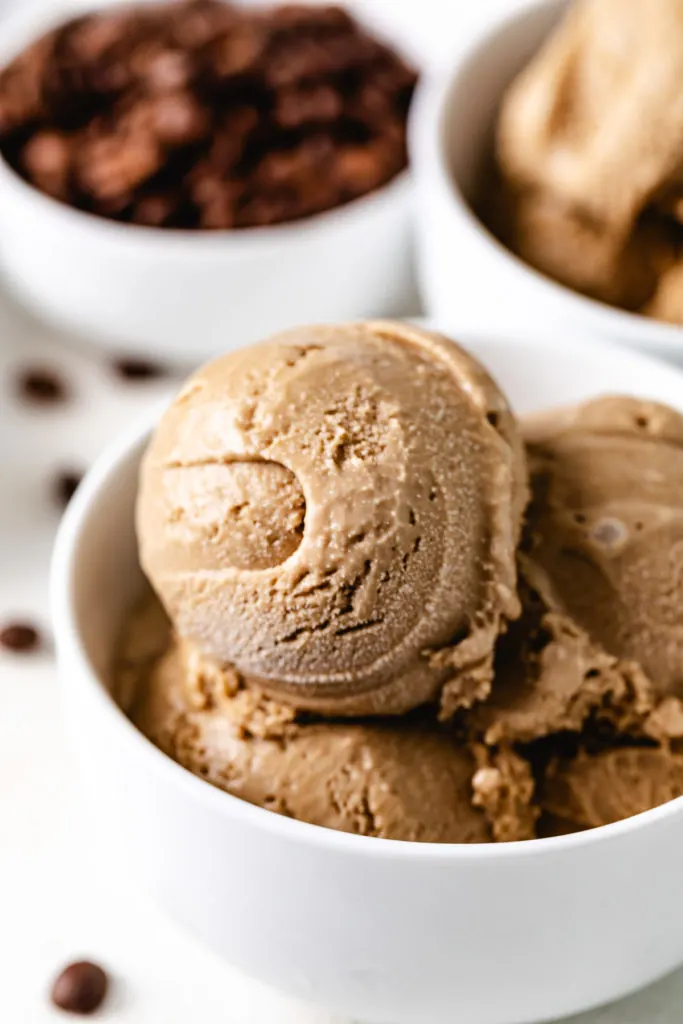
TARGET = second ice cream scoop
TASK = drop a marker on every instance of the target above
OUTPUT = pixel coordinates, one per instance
(606, 529)
(335, 512)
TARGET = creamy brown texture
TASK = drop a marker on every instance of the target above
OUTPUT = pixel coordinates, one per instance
(584, 722)
(597, 789)
(606, 528)
(335, 512)
(409, 780)
(568, 246)
(601, 636)
(598, 653)
(552, 678)
(588, 144)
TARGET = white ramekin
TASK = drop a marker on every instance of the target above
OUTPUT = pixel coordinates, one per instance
(465, 274)
(375, 930)
(184, 296)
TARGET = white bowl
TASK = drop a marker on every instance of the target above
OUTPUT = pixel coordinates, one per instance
(465, 274)
(379, 931)
(184, 296)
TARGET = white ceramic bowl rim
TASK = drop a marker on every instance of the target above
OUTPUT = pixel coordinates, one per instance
(66, 630)
(29, 23)
(284, 234)
(435, 95)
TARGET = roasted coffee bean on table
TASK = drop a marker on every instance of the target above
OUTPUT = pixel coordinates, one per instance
(19, 637)
(40, 385)
(136, 368)
(80, 988)
(200, 114)
(66, 484)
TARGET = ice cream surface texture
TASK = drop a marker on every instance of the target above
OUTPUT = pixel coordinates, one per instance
(588, 146)
(332, 521)
(603, 558)
(607, 529)
(406, 778)
(335, 513)
(589, 682)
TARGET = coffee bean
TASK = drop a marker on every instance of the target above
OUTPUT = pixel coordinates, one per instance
(132, 368)
(19, 637)
(65, 486)
(80, 988)
(41, 385)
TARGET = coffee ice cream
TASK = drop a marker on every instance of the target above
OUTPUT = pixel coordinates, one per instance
(393, 778)
(594, 789)
(331, 521)
(606, 529)
(335, 513)
(592, 676)
(588, 151)
(589, 682)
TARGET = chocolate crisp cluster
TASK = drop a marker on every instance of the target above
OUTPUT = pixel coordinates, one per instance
(199, 114)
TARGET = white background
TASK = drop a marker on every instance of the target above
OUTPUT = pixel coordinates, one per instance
(60, 896)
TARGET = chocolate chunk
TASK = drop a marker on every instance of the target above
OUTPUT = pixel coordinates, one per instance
(66, 484)
(41, 385)
(80, 988)
(20, 637)
(132, 368)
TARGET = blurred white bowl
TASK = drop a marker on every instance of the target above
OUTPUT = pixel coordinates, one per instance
(184, 296)
(466, 275)
(375, 930)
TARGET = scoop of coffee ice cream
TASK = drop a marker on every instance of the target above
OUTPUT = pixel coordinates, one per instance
(588, 681)
(335, 513)
(597, 789)
(584, 722)
(606, 529)
(396, 779)
(565, 245)
(599, 637)
(596, 118)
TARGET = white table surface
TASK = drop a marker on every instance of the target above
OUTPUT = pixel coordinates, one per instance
(60, 897)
